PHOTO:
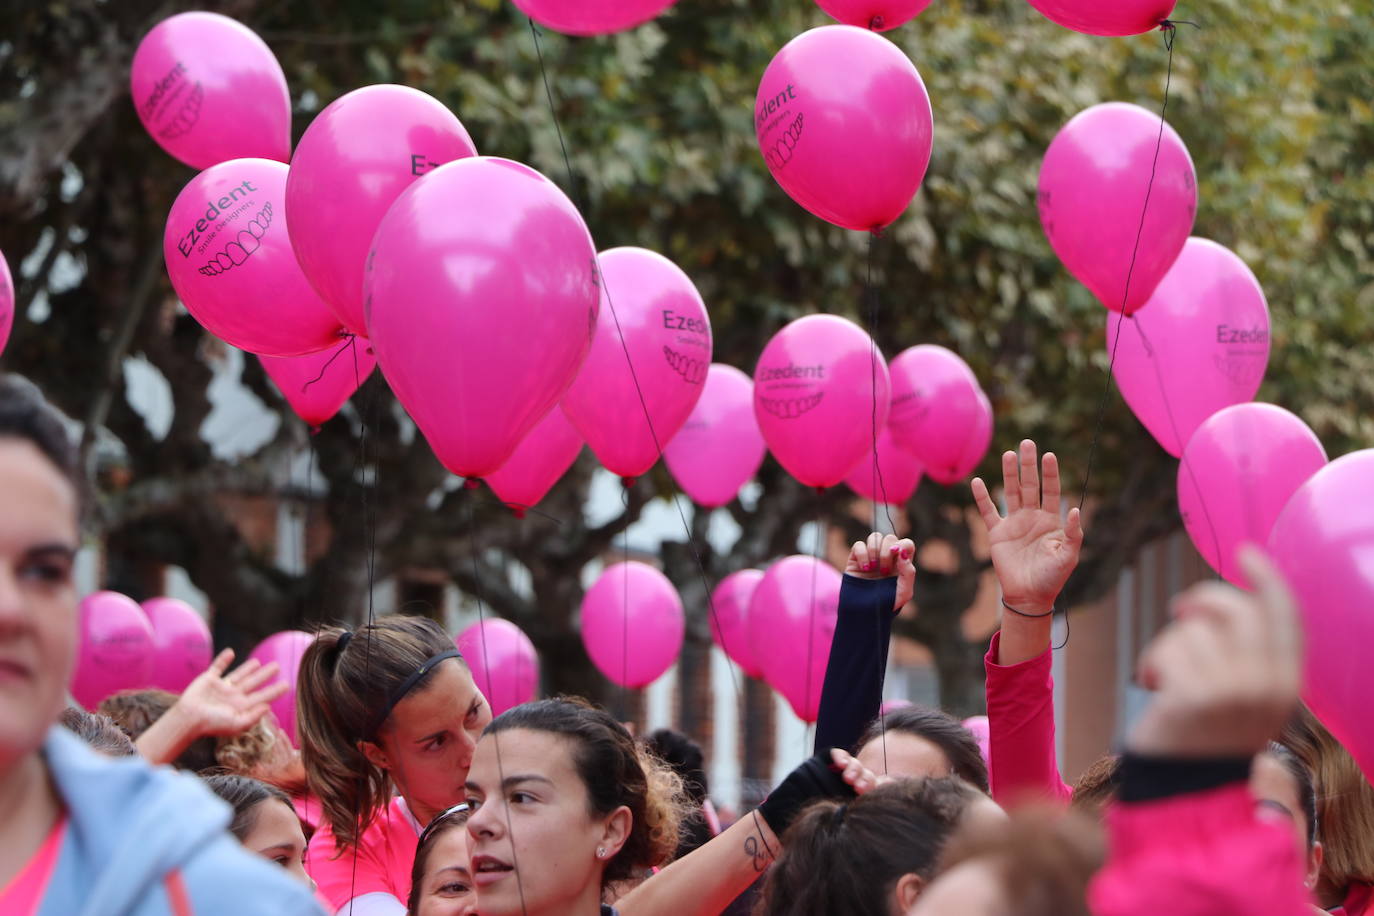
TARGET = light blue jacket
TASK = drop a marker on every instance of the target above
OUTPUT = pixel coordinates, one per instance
(129, 825)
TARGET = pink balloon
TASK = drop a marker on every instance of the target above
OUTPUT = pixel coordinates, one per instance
(1202, 345)
(503, 662)
(939, 412)
(1107, 17)
(1323, 542)
(650, 304)
(208, 90)
(814, 390)
(844, 124)
(730, 618)
(791, 623)
(878, 15)
(229, 256)
(182, 648)
(354, 160)
(116, 651)
(538, 462)
(1238, 472)
(982, 733)
(285, 648)
(719, 448)
(898, 473)
(632, 624)
(1093, 186)
(592, 17)
(317, 384)
(481, 322)
(6, 303)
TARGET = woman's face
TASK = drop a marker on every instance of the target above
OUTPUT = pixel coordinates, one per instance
(904, 755)
(446, 889)
(531, 809)
(38, 544)
(276, 835)
(1276, 793)
(427, 743)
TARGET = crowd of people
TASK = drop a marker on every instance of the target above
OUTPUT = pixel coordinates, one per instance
(407, 798)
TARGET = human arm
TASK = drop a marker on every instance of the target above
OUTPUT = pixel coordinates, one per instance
(1033, 553)
(878, 582)
(212, 704)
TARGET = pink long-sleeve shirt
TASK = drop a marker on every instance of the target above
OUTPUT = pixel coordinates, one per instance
(1022, 762)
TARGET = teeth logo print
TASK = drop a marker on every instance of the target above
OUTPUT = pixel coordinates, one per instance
(693, 370)
(187, 115)
(791, 408)
(238, 251)
(781, 153)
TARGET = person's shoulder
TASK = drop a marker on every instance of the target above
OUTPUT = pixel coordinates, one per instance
(224, 879)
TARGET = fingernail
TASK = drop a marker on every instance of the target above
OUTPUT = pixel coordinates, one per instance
(894, 550)
(906, 553)
(871, 566)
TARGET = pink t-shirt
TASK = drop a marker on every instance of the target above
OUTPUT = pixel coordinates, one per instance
(23, 895)
(385, 854)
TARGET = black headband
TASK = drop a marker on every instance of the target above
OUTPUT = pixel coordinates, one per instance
(407, 685)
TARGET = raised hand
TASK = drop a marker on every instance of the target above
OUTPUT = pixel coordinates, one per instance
(215, 704)
(882, 556)
(1033, 551)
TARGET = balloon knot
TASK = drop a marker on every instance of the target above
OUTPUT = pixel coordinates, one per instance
(472, 483)
(628, 482)
(877, 232)
(517, 511)
(876, 23)
(315, 429)
(819, 489)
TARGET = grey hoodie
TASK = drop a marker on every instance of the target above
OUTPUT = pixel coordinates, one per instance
(129, 825)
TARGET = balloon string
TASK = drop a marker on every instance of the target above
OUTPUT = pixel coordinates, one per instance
(1170, 33)
(350, 344)
(811, 626)
(625, 611)
(486, 666)
(643, 403)
(879, 488)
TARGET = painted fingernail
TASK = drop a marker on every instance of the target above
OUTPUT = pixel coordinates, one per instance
(906, 553)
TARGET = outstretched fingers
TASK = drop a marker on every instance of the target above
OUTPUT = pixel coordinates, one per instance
(986, 507)
(1011, 482)
(1030, 476)
(1049, 483)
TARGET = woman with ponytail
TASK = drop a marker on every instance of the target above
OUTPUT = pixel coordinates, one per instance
(387, 719)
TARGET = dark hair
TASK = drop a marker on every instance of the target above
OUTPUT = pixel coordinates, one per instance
(1097, 786)
(687, 760)
(244, 794)
(940, 729)
(136, 710)
(345, 681)
(101, 732)
(1043, 858)
(26, 415)
(1345, 803)
(616, 772)
(444, 822)
(1302, 777)
(847, 857)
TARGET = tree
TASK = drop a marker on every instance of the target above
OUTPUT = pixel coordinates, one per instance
(1271, 99)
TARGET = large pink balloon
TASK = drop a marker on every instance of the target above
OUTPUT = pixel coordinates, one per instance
(285, 648)
(1323, 541)
(592, 17)
(1203, 344)
(503, 662)
(182, 647)
(939, 412)
(354, 160)
(720, 447)
(1238, 472)
(982, 733)
(878, 15)
(895, 478)
(814, 391)
(6, 302)
(651, 310)
(317, 384)
(730, 618)
(208, 90)
(229, 256)
(792, 622)
(845, 126)
(481, 321)
(1093, 186)
(1107, 17)
(116, 650)
(632, 624)
(538, 462)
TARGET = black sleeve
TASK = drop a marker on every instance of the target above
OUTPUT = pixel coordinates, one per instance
(853, 689)
(1146, 779)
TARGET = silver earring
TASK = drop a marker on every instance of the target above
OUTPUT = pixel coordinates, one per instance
(601, 852)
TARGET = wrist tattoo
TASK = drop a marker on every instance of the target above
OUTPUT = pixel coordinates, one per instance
(757, 848)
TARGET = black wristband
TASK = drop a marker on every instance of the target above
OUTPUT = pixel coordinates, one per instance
(815, 779)
(1145, 779)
